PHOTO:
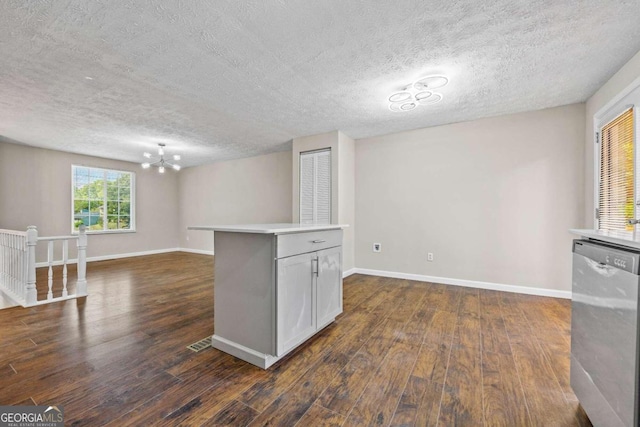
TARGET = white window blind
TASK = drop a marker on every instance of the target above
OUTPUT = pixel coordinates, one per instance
(616, 203)
(315, 187)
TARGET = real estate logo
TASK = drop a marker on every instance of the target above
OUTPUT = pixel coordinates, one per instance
(31, 416)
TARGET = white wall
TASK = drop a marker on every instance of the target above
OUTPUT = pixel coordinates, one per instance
(35, 189)
(250, 190)
(620, 81)
(492, 198)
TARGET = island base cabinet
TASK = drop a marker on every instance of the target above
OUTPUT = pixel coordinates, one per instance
(272, 292)
(328, 285)
(309, 295)
(296, 309)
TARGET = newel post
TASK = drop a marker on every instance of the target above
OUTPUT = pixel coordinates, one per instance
(81, 285)
(31, 295)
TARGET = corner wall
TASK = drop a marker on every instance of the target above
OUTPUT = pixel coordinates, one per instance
(35, 189)
(342, 185)
(492, 199)
(346, 198)
(250, 190)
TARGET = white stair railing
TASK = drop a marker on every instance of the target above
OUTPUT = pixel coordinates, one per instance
(14, 262)
(18, 265)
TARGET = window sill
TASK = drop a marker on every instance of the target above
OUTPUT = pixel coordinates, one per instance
(91, 232)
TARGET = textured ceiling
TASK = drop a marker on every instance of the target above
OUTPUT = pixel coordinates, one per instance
(217, 80)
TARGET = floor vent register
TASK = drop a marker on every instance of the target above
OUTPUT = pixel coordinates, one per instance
(200, 345)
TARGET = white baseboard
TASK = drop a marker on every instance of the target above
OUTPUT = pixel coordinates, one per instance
(396, 275)
(112, 256)
(468, 283)
(245, 353)
(131, 254)
(196, 251)
(349, 272)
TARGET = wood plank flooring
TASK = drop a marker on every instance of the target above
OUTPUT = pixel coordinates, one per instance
(403, 353)
(6, 301)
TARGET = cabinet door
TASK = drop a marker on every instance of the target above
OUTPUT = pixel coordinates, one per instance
(296, 312)
(329, 284)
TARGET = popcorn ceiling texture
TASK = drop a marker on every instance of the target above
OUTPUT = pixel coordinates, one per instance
(216, 80)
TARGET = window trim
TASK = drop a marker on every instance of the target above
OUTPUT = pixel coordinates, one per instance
(626, 99)
(132, 200)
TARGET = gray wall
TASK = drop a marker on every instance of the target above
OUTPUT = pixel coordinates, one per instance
(346, 198)
(251, 190)
(491, 198)
(35, 189)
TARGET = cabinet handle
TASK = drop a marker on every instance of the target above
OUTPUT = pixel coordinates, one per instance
(318, 241)
(315, 267)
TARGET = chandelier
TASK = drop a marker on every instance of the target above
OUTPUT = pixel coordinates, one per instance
(161, 163)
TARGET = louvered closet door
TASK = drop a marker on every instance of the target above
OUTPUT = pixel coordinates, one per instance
(315, 187)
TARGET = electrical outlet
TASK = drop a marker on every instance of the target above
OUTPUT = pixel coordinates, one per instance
(430, 256)
(377, 247)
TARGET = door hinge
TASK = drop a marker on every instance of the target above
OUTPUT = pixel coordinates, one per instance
(597, 213)
(597, 137)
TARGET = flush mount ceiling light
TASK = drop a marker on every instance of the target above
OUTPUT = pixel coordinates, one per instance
(161, 164)
(431, 99)
(400, 97)
(431, 82)
(418, 93)
(403, 106)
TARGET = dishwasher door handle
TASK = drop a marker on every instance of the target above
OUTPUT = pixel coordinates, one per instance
(601, 268)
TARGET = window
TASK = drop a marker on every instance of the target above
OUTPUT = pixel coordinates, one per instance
(103, 199)
(617, 186)
(315, 187)
(616, 201)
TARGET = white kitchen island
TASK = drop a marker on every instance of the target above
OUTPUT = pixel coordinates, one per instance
(275, 286)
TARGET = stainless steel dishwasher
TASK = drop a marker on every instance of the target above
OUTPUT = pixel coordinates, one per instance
(604, 332)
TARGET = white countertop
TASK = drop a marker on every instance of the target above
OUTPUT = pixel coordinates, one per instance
(268, 228)
(630, 239)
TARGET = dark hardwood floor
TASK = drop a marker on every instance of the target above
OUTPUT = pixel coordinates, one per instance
(402, 353)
